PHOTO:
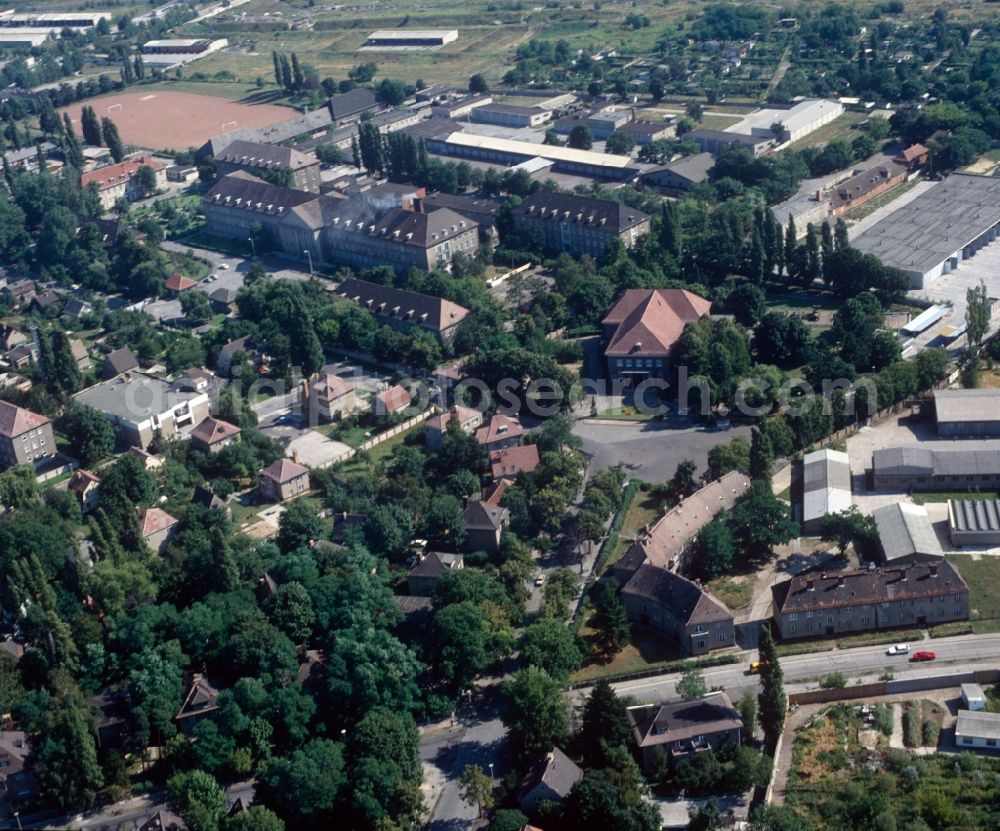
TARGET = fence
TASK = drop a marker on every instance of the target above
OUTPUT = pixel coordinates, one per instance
(934, 682)
(375, 441)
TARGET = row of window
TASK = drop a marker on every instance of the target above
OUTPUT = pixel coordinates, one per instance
(867, 607)
(867, 621)
(638, 362)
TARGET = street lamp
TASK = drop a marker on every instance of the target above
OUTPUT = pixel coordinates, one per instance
(308, 253)
(17, 816)
(253, 247)
(493, 783)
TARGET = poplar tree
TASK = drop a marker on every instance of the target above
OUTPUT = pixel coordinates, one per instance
(772, 702)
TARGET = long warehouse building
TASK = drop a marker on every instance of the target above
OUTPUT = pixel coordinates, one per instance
(933, 234)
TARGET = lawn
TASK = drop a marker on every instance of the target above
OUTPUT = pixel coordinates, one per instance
(644, 510)
(711, 121)
(841, 127)
(945, 496)
(625, 414)
(734, 593)
(834, 777)
(983, 577)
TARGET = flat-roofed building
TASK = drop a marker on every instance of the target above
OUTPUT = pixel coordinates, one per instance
(826, 487)
(601, 123)
(905, 533)
(974, 521)
(460, 107)
(509, 115)
(506, 152)
(176, 46)
(967, 412)
(579, 224)
(405, 38)
(718, 141)
(643, 132)
(642, 327)
(939, 229)
(870, 599)
(922, 469)
(52, 21)
(797, 121)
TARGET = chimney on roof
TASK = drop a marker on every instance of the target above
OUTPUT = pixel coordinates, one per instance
(809, 586)
(840, 582)
(933, 569)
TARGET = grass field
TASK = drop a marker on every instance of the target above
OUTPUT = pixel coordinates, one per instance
(841, 127)
(644, 510)
(944, 496)
(734, 593)
(983, 577)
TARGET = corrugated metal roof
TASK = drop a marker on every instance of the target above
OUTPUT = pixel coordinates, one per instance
(977, 724)
(926, 319)
(974, 514)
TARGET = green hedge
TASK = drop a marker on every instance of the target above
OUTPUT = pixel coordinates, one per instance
(628, 494)
(911, 725)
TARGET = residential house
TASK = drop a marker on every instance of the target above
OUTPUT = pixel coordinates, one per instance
(683, 728)
(163, 820)
(223, 300)
(501, 432)
(16, 768)
(19, 292)
(680, 608)
(417, 611)
(391, 401)
(157, 528)
(121, 181)
(642, 327)
(176, 284)
(118, 362)
(484, 525)
(201, 702)
(139, 406)
(426, 572)
(870, 599)
(512, 461)
(263, 159)
(914, 156)
(328, 397)
(148, 460)
(212, 434)
(11, 337)
(404, 310)
(977, 729)
(197, 379)
(46, 302)
(283, 479)
(25, 436)
(204, 495)
(549, 780)
(75, 308)
(86, 487)
(230, 353)
(110, 707)
(465, 419)
(579, 224)
(21, 356)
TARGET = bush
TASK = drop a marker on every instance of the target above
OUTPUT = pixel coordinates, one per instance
(931, 731)
(911, 725)
(833, 681)
(883, 719)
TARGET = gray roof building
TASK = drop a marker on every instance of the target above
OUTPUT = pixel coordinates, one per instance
(349, 104)
(967, 412)
(119, 361)
(974, 521)
(684, 727)
(681, 174)
(408, 307)
(905, 532)
(977, 728)
(826, 486)
(921, 468)
(255, 154)
(550, 779)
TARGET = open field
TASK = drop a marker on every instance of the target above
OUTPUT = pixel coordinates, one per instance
(167, 120)
(644, 510)
(841, 127)
(983, 577)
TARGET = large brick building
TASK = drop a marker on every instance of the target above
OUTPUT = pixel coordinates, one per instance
(121, 181)
(642, 328)
(579, 224)
(870, 599)
(24, 436)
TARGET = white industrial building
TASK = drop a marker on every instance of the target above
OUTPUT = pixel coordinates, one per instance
(168, 53)
(797, 122)
(826, 487)
(53, 22)
(933, 234)
(974, 521)
(410, 38)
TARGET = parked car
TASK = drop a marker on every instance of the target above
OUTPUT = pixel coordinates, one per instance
(224, 266)
(898, 649)
(540, 580)
(923, 656)
(755, 667)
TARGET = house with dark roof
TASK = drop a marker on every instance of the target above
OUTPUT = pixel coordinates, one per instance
(919, 468)
(684, 728)
(695, 620)
(282, 480)
(46, 302)
(484, 525)
(262, 159)
(870, 599)
(481, 210)
(75, 308)
(212, 434)
(118, 362)
(223, 299)
(426, 572)
(204, 495)
(351, 104)
(230, 352)
(201, 702)
(21, 356)
(642, 327)
(549, 780)
(24, 436)
(509, 462)
(718, 141)
(16, 767)
(865, 186)
(579, 224)
(681, 175)
(404, 310)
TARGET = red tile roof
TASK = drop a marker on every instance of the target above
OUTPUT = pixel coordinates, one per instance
(329, 386)
(154, 520)
(283, 471)
(115, 174)
(16, 420)
(395, 398)
(514, 460)
(178, 282)
(649, 321)
(500, 428)
(212, 430)
(81, 480)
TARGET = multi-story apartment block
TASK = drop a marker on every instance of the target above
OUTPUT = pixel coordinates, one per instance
(24, 436)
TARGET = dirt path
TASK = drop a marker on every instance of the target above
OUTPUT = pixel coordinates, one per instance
(896, 739)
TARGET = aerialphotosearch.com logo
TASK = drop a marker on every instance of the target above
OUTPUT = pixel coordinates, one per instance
(309, 402)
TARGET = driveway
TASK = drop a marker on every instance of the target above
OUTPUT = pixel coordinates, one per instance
(649, 450)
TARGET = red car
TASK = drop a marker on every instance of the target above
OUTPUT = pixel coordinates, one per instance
(923, 656)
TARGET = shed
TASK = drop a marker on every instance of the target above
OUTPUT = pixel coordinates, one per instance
(973, 697)
(974, 521)
(826, 476)
(905, 532)
(972, 413)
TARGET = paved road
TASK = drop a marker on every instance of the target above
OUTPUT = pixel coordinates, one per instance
(953, 654)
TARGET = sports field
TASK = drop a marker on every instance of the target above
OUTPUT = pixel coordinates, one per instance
(157, 119)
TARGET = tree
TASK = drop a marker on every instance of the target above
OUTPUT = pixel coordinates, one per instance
(761, 522)
(747, 303)
(305, 788)
(476, 788)
(195, 303)
(977, 321)
(771, 700)
(298, 525)
(695, 111)
(329, 154)
(850, 526)
(62, 371)
(747, 705)
(682, 484)
(619, 142)
(66, 755)
(90, 127)
(602, 800)
(747, 769)
(580, 137)
(692, 685)
(507, 819)
(90, 434)
(610, 618)
(735, 455)
(478, 85)
(536, 713)
(716, 548)
(146, 177)
(549, 644)
(604, 724)
(761, 457)
(459, 642)
(291, 610)
(198, 799)
(257, 818)
(706, 818)
(112, 139)
(388, 530)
